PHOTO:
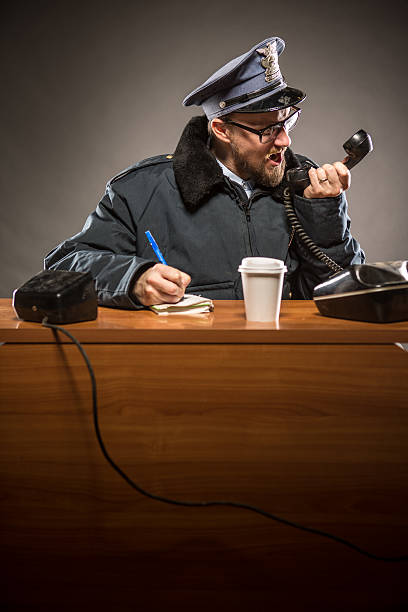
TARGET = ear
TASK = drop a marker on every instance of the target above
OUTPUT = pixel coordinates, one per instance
(220, 130)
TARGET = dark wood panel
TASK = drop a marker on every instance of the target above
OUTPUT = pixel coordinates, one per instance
(317, 434)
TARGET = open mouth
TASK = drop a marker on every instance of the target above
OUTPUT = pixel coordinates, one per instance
(276, 158)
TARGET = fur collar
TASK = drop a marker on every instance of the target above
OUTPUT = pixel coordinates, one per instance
(197, 172)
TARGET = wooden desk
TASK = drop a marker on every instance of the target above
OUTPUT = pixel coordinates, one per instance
(308, 421)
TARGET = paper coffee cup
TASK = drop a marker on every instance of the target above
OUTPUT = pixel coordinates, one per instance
(262, 282)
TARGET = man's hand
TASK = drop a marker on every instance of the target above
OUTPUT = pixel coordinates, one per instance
(328, 181)
(161, 284)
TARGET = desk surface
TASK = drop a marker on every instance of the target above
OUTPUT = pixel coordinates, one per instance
(300, 322)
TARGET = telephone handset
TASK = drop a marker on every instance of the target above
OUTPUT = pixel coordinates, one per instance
(356, 148)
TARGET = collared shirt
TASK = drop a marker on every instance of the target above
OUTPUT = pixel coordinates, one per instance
(247, 185)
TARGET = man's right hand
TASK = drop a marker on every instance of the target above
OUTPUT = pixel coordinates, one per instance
(161, 284)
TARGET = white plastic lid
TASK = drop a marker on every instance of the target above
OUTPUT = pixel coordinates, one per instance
(265, 263)
(249, 270)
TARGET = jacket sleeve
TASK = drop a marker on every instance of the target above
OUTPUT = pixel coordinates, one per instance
(327, 223)
(106, 247)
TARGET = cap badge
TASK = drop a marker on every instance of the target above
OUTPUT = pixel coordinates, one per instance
(286, 100)
(270, 62)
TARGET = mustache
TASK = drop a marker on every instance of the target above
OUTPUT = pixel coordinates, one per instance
(277, 154)
(275, 150)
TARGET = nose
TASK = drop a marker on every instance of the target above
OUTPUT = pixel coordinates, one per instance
(282, 139)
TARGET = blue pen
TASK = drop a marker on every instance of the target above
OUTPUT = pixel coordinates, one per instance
(155, 247)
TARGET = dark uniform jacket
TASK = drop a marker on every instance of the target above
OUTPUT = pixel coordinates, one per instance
(204, 225)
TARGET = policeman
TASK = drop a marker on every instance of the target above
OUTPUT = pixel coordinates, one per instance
(217, 199)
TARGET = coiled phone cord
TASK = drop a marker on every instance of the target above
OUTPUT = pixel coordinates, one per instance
(296, 226)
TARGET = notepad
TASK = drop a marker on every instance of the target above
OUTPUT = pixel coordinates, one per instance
(189, 304)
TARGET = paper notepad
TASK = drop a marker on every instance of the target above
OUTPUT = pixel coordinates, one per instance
(189, 304)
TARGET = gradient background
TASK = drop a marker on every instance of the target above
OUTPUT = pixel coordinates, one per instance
(89, 88)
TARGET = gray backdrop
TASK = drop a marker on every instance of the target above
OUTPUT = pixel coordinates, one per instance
(89, 88)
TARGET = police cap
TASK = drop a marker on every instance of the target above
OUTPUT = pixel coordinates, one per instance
(250, 83)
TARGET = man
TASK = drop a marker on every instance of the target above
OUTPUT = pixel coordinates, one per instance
(218, 199)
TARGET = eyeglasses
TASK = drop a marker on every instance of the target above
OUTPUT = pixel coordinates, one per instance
(270, 133)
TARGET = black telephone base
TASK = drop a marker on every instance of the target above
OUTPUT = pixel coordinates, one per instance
(60, 295)
(376, 293)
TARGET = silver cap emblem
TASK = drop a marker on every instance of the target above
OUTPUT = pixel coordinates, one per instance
(270, 62)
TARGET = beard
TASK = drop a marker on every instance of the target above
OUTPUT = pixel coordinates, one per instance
(258, 172)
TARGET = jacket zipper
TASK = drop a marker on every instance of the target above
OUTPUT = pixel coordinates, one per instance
(245, 205)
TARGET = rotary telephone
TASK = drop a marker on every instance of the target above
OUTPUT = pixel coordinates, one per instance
(356, 148)
(376, 292)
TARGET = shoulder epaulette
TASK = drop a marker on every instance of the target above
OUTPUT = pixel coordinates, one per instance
(150, 161)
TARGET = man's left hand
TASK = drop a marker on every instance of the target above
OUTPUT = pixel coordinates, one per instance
(328, 181)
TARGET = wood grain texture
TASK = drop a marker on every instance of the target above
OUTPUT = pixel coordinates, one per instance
(299, 322)
(316, 433)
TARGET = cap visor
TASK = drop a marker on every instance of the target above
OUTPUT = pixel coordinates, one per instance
(282, 99)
